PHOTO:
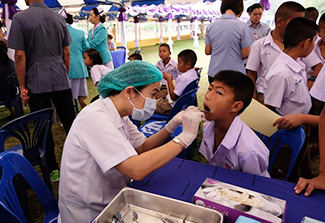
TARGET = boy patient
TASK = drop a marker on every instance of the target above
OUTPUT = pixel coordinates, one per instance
(228, 142)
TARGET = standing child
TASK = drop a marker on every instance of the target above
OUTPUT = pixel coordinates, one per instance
(266, 50)
(110, 43)
(166, 64)
(287, 91)
(93, 59)
(227, 141)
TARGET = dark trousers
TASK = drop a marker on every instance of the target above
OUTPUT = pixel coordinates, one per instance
(63, 104)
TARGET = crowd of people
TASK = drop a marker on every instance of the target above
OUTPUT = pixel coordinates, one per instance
(103, 150)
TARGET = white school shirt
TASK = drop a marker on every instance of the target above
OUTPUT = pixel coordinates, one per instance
(171, 68)
(183, 80)
(287, 89)
(262, 55)
(240, 149)
(98, 140)
(318, 89)
(97, 71)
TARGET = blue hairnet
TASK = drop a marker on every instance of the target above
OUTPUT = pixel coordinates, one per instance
(134, 73)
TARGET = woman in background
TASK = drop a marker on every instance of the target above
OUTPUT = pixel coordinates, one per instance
(97, 36)
(257, 28)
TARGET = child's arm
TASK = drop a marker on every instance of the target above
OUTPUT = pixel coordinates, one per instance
(316, 70)
(169, 79)
(317, 182)
(294, 120)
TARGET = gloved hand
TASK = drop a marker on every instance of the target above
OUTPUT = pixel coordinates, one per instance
(191, 121)
(174, 122)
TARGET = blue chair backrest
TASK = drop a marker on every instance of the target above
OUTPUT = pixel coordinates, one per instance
(33, 140)
(7, 216)
(293, 138)
(118, 57)
(191, 86)
(183, 102)
(31, 130)
(12, 164)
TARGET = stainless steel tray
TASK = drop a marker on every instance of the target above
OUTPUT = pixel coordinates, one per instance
(152, 208)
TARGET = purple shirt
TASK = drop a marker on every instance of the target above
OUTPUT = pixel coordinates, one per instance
(240, 149)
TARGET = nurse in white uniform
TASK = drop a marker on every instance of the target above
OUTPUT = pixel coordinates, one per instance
(103, 149)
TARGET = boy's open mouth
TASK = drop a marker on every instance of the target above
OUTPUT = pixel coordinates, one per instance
(206, 108)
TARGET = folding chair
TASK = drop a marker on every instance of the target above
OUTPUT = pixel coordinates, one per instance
(118, 56)
(12, 94)
(31, 130)
(293, 138)
(3, 135)
(13, 164)
(7, 216)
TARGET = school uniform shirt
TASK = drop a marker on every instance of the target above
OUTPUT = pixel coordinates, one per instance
(317, 50)
(97, 71)
(112, 45)
(240, 149)
(183, 80)
(287, 86)
(262, 55)
(261, 30)
(97, 38)
(98, 140)
(227, 36)
(318, 89)
(171, 68)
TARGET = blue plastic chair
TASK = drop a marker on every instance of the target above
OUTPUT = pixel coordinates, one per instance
(31, 130)
(7, 216)
(12, 164)
(118, 57)
(293, 138)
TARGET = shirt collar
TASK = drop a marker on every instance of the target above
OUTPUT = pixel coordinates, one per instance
(249, 23)
(37, 4)
(228, 16)
(116, 118)
(231, 137)
(291, 63)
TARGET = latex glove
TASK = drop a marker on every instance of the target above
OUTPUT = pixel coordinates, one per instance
(174, 122)
(191, 121)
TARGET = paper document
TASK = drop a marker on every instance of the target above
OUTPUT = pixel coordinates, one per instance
(260, 118)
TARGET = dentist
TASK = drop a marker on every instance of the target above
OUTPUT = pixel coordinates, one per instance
(104, 149)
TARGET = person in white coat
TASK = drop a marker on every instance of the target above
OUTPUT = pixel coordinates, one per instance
(104, 149)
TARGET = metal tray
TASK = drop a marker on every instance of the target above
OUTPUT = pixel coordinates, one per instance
(152, 208)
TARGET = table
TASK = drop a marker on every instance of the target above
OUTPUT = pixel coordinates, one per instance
(180, 179)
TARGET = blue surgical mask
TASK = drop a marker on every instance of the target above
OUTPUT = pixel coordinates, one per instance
(146, 112)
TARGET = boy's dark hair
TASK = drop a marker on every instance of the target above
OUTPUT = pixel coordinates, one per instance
(242, 86)
(286, 9)
(237, 6)
(135, 56)
(96, 12)
(297, 30)
(312, 13)
(188, 56)
(94, 55)
(69, 19)
(109, 36)
(4, 59)
(254, 6)
(165, 45)
(322, 19)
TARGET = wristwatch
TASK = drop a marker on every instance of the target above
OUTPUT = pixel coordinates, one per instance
(179, 142)
(312, 78)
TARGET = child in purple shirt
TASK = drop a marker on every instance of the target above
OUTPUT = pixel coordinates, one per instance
(227, 141)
